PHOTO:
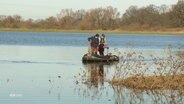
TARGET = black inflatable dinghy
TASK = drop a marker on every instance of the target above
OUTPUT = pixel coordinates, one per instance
(97, 58)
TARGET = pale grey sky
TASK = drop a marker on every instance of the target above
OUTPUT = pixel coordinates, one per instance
(44, 8)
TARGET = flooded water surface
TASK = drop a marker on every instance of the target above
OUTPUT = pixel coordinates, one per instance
(46, 68)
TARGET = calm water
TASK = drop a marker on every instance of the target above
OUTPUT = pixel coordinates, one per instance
(80, 39)
(40, 68)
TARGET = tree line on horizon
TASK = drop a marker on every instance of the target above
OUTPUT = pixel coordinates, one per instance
(134, 18)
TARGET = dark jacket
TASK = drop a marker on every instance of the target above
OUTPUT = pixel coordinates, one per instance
(94, 41)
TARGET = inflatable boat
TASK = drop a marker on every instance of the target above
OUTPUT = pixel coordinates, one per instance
(97, 58)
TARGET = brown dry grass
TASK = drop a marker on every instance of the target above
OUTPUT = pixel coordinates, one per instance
(175, 82)
(173, 78)
(180, 54)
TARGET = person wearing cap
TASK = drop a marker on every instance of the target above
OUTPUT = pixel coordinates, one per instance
(102, 44)
(93, 44)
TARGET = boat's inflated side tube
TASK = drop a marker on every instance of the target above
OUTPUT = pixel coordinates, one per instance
(107, 58)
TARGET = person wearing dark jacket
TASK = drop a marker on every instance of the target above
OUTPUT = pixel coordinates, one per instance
(93, 44)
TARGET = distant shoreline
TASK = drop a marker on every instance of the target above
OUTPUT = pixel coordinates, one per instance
(160, 32)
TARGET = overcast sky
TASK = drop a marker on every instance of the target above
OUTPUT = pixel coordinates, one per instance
(44, 8)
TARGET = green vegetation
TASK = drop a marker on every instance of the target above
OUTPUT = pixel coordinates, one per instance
(149, 19)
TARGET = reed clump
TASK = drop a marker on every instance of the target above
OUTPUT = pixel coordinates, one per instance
(166, 73)
(175, 82)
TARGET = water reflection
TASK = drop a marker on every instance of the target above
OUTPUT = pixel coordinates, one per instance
(95, 74)
(91, 81)
(96, 87)
(118, 95)
(123, 95)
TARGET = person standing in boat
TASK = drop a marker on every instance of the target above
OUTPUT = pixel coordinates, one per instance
(102, 45)
(93, 45)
